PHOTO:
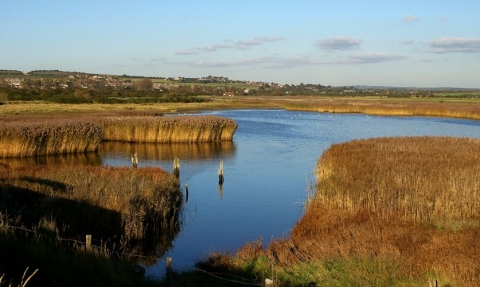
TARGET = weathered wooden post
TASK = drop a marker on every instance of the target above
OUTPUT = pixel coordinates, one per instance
(176, 167)
(220, 174)
(134, 160)
(186, 192)
(88, 242)
(432, 282)
(168, 274)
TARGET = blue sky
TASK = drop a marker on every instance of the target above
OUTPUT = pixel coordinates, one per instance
(395, 43)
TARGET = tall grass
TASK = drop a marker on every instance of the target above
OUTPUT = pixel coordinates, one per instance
(43, 136)
(167, 129)
(133, 204)
(425, 179)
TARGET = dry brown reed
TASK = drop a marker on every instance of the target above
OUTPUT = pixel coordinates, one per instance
(167, 129)
(48, 136)
(103, 201)
(426, 179)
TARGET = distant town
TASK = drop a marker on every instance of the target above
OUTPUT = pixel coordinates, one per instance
(209, 85)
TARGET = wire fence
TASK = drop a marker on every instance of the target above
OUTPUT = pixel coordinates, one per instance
(219, 276)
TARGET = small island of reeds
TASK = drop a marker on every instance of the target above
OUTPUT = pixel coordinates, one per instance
(22, 135)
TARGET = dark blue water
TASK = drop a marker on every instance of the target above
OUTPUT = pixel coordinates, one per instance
(268, 169)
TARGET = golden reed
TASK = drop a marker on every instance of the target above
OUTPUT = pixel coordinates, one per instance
(426, 179)
(60, 134)
(167, 129)
(43, 137)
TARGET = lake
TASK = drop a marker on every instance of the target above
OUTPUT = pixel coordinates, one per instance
(268, 172)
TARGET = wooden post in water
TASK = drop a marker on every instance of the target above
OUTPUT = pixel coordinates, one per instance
(88, 242)
(220, 174)
(168, 274)
(186, 192)
(134, 160)
(176, 167)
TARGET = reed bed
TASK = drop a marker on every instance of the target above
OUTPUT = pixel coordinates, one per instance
(107, 202)
(403, 107)
(167, 129)
(44, 136)
(423, 178)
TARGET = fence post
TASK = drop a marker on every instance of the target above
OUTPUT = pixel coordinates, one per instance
(88, 242)
(432, 282)
(220, 173)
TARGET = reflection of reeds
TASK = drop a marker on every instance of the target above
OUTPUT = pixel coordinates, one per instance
(167, 129)
(104, 201)
(48, 137)
(183, 151)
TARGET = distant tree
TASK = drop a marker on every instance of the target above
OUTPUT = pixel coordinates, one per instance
(145, 85)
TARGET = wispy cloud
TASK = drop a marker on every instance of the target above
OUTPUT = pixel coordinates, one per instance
(211, 48)
(407, 42)
(368, 58)
(283, 62)
(455, 45)
(246, 44)
(410, 18)
(442, 19)
(187, 52)
(230, 44)
(338, 43)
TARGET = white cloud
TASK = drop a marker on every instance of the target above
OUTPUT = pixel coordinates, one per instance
(211, 48)
(338, 43)
(410, 18)
(187, 52)
(368, 58)
(455, 45)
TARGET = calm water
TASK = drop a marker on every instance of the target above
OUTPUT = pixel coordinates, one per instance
(268, 168)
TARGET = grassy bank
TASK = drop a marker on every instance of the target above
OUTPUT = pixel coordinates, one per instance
(440, 107)
(386, 212)
(392, 107)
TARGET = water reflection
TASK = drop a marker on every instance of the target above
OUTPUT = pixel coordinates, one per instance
(164, 152)
(91, 158)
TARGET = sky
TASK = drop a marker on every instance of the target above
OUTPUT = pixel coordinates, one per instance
(404, 43)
